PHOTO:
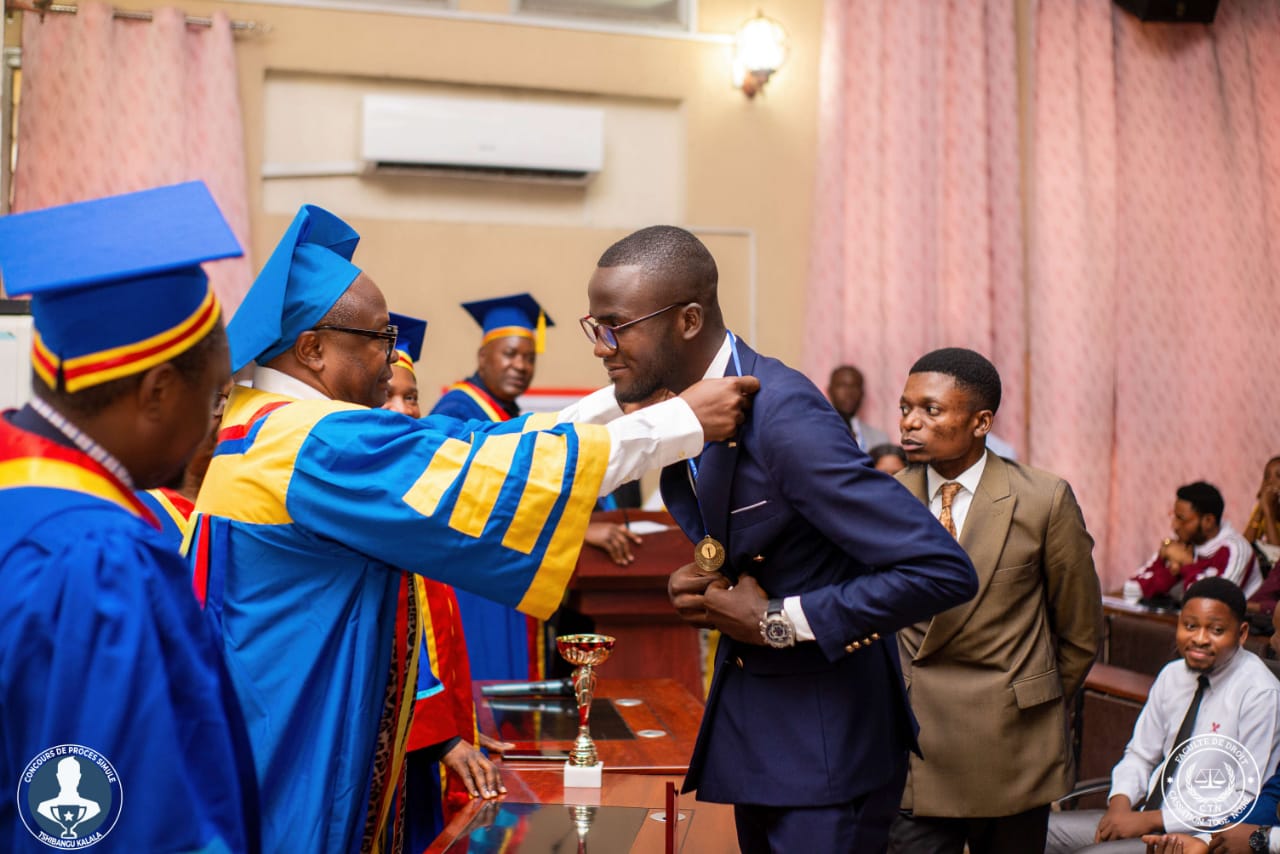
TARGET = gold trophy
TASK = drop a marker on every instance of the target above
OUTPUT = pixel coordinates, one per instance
(585, 653)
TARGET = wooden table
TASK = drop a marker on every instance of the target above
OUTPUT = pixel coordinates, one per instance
(630, 603)
(664, 706)
(539, 818)
(536, 815)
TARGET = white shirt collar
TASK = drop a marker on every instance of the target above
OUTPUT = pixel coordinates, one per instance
(968, 478)
(277, 382)
(721, 361)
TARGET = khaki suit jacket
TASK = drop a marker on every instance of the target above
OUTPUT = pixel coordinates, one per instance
(991, 680)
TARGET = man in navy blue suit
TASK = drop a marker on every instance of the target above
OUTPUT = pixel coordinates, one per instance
(808, 560)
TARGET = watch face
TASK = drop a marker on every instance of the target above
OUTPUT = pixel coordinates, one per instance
(1258, 840)
(778, 633)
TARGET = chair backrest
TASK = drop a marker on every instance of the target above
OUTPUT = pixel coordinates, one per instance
(1274, 664)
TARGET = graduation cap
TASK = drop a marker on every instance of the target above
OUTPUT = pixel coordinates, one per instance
(306, 274)
(410, 332)
(518, 315)
(115, 283)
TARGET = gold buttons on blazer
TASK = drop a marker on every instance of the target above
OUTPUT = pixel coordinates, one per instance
(758, 558)
(854, 646)
(738, 661)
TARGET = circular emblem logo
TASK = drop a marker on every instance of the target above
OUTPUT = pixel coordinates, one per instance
(69, 797)
(1207, 781)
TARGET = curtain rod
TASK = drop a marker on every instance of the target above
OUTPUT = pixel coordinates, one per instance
(130, 15)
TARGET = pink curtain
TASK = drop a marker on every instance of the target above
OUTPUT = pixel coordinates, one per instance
(111, 106)
(1155, 262)
(917, 229)
(1137, 351)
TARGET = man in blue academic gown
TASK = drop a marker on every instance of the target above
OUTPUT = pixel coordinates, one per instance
(808, 560)
(112, 680)
(317, 500)
(505, 644)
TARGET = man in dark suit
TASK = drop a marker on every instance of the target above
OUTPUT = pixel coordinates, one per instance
(811, 559)
(991, 681)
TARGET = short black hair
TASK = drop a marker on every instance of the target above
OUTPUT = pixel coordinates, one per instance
(1216, 587)
(1204, 498)
(670, 254)
(971, 371)
(887, 449)
(190, 365)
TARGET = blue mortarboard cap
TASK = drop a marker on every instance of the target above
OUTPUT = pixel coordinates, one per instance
(115, 283)
(519, 315)
(305, 275)
(410, 333)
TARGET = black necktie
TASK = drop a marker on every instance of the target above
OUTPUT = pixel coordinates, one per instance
(1184, 733)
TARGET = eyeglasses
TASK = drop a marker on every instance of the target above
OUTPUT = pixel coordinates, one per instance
(608, 335)
(388, 334)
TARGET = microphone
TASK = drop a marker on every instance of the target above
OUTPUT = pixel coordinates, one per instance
(556, 687)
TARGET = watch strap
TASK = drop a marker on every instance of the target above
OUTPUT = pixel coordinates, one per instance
(775, 606)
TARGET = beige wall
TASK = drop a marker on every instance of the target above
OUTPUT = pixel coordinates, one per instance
(743, 166)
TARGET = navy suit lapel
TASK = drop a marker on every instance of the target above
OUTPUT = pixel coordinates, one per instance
(677, 494)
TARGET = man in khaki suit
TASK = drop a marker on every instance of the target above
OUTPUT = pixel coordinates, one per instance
(991, 681)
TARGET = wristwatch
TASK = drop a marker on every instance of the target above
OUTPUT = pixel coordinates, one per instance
(776, 627)
(1260, 840)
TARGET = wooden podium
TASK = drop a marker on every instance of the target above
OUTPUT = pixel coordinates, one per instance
(630, 603)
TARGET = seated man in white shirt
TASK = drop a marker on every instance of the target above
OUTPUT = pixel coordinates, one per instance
(1205, 546)
(1216, 689)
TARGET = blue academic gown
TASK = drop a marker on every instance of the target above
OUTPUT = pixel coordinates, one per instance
(800, 508)
(308, 513)
(497, 636)
(103, 645)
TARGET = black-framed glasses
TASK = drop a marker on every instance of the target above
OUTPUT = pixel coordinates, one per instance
(388, 334)
(608, 335)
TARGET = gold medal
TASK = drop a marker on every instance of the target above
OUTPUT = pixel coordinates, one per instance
(708, 554)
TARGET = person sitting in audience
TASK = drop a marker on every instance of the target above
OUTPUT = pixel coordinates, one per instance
(1264, 522)
(844, 390)
(1263, 531)
(1217, 688)
(1205, 546)
(1255, 834)
(888, 458)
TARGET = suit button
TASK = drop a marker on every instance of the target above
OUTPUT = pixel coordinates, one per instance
(738, 661)
(875, 636)
(853, 647)
(758, 558)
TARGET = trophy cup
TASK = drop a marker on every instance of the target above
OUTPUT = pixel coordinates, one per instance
(584, 652)
(69, 815)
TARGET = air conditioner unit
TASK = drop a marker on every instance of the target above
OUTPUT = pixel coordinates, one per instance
(475, 138)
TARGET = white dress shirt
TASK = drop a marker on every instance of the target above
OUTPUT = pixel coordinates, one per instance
(656, 436)
(1242, 702)
(968, 480)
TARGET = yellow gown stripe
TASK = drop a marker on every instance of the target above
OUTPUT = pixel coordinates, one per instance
(543, 595)
(182, 523)
(541, 492)
(540, 421)
(253, 486)
(445, 466)
(59, 474)
(485, 406)
(485, 478)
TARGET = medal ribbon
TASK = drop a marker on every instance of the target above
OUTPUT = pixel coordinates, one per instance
(693, 466)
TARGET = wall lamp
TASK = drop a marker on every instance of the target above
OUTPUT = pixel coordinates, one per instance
(759, 49)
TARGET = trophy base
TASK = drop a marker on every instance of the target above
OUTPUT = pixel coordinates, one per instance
(582, 776)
